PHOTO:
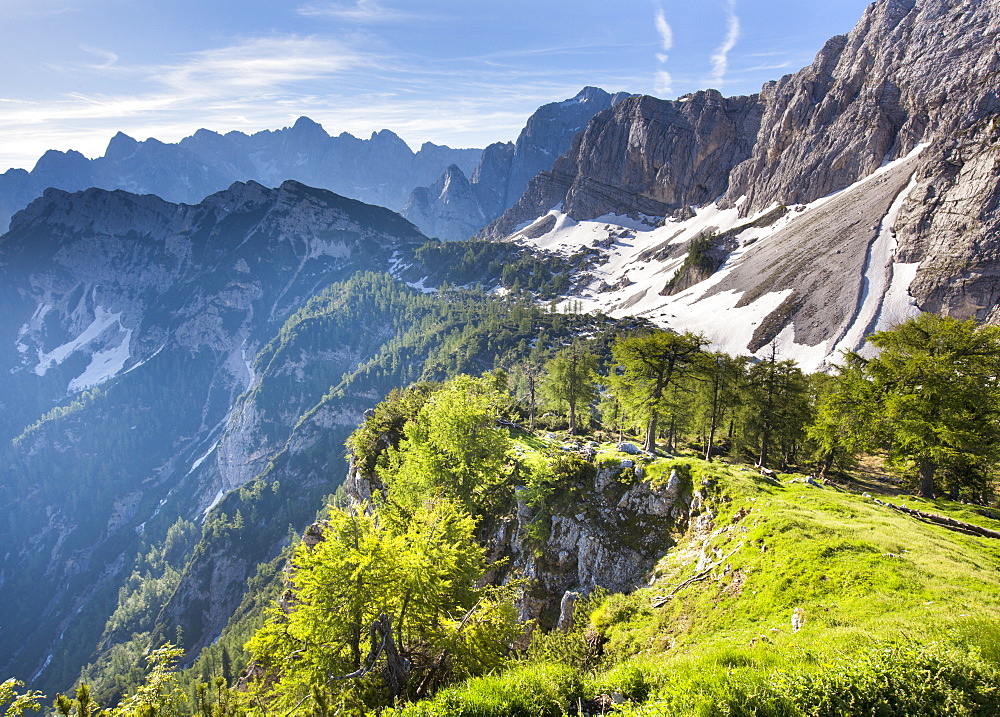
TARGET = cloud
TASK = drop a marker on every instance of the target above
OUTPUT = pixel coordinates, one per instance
(664, 30)
(362, 11)
(763, 68)
(664, 83)
(257, 64)
(109, 59)
(662, 80)
(720, 58)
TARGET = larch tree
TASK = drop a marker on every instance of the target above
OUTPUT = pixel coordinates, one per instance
(935, 397)
(647, 367)
(570, 379)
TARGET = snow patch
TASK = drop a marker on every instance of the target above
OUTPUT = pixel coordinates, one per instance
(103, 365)
(898, 305)
(215, 501)
(144, 361)
(103, 320)
(198, 462)
(41, 669)
(878, 276)
(419, 286)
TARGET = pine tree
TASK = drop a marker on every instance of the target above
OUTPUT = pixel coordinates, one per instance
(934, 399)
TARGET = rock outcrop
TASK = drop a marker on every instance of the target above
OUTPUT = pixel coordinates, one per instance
(610, 535)
(644, 157)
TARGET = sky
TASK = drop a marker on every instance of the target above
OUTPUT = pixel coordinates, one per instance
(465, 74)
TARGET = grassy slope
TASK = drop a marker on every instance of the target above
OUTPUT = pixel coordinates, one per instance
(897, 613)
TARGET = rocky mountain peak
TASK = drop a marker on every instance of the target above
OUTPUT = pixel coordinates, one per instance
(506, 168)
(388, 138)
(590, 94)
(909, 72)
(381, 170)
(57, 164)
(121, 147)
(305, 124)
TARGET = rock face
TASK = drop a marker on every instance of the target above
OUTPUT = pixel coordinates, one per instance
(448, 209)
(909, 72)
(380, 170)
(624, 526)
(914, 84)
(175, 329)
(644, 157)
(456, 208)
(619, 527)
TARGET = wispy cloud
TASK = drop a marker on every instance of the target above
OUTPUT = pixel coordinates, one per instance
(258, 63)
(762, 68)
(663, 82)
(260, 78)
(664, 30)
(108, 59)
(720, 58)
(362, 11)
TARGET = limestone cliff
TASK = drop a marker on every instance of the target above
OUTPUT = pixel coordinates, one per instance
(456, 208)
(606, 527)
(881, 154)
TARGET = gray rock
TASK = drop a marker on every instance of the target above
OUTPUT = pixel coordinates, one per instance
(505, 169)
(380, 170)
(644, 156)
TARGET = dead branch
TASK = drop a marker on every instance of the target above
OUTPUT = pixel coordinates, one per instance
(660, 602)
(943, 520)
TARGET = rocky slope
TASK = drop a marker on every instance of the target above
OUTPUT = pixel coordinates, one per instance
(608, 521)
(149, 371)
(456, 207)
(915, 86)
(380, 170)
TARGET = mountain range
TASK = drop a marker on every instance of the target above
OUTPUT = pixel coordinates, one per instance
(204, 353)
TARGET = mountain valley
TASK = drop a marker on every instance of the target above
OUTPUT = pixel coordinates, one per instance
(192, 331)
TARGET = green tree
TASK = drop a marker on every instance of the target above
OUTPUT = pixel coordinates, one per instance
(159, 695)
(935, 398)
(719, 378)
(570, 379)
(409, 579)
(82, 706)
(775, 410)
(839, 431)
(453, 447)
(649, 365)
(14, 703)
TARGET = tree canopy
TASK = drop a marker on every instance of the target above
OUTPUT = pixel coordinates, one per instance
(650, 364)
(931, 396)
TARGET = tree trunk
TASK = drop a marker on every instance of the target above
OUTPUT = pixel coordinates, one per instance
(650, 444)
(925, 488)
(531, 400)
(826, 465)
(572, 418)
(711, 439)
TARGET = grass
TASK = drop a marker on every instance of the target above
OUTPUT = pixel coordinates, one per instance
(900, 616)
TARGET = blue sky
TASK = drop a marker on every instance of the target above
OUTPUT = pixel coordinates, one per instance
(459, 73)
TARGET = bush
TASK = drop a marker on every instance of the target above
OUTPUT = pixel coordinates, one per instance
(531, 690)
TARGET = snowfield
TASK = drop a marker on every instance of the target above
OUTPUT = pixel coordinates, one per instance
(638, 257)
